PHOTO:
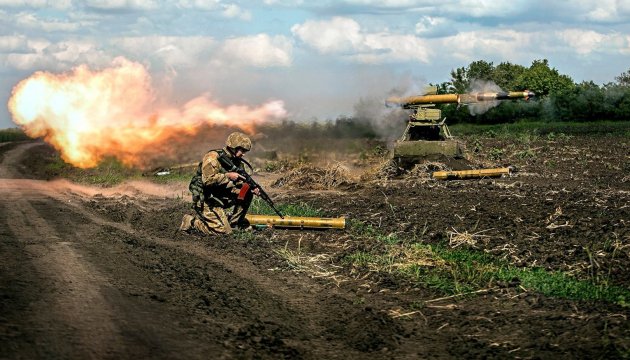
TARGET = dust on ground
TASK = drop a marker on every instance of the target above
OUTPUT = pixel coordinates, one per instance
(101, 273)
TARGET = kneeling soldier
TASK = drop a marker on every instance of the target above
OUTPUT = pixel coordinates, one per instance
(216, 189)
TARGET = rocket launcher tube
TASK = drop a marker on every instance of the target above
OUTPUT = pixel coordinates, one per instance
(300, 222)
(471, 98)
(470, 174)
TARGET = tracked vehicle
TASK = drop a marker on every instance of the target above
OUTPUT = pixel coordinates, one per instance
(427, 136)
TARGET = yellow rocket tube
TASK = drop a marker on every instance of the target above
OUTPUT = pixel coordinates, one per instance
(297, 221)
(470, 98)
(423, 99)
(469, 174)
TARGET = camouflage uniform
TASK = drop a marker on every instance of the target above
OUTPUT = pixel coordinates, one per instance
(219, 193)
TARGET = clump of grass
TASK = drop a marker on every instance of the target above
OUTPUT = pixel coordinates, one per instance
(457, 238)
(528, 153)
(243, 235)
(109, 172)
(496, 153)
(298, 260)
(459, 269)
(360, 228)
(294, 258)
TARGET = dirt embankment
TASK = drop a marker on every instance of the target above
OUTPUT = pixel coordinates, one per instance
(84, 274)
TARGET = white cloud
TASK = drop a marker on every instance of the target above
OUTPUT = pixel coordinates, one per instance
(41, 54)
(199, 4)
(383, 48)
(259, 50)
(600, 11)
(14, 43)
(390, 3)
(122, 4)
(472, 45)
(75, 52)
(436, 26)
(484, 8)
(32, 22)
(233, 11)
(336, 35)
(427, 24)
(172, 50)
(283, 2)
(228, 10)
(57, 4)
(584, 42)
(344, 36)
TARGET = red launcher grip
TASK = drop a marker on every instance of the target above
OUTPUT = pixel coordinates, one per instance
(243, 192)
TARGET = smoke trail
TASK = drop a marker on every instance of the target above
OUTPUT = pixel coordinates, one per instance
(477, 86)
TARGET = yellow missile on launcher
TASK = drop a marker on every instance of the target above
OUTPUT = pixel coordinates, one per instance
(410, 102)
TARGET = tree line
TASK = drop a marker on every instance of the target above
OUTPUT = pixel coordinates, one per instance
(559, 98)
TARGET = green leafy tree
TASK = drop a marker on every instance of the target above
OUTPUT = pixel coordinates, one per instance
(443, 87)
(584, 102)
(505, 75)
(459, 81)
(461, 78)
(543, 80)
(624, 79)
(480, 70)
(617, 100)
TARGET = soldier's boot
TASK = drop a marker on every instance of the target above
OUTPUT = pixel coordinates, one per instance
(187, 223)
(243, 224)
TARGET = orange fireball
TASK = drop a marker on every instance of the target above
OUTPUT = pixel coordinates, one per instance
(88, 115)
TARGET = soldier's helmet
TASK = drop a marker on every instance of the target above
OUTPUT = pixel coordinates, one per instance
(238, 139)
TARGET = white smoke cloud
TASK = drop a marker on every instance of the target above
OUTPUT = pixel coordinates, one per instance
(482, 86)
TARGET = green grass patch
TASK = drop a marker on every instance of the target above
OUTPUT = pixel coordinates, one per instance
(173, 177)
(526, 131)
(13, 134)
(461, 271)
(109, 172)
(260, 207)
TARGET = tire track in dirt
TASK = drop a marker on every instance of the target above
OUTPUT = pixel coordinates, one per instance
(56, 232)
(10, 165)
(248, 293)
(77, 312)
(54, 297)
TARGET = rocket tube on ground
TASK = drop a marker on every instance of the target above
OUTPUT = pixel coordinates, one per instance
(469, 174)
(297, 221)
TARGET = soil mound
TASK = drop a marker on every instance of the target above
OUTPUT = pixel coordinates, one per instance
(311, 177)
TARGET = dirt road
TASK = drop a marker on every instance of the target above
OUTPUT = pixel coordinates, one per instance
(75, 284)
(100, 273)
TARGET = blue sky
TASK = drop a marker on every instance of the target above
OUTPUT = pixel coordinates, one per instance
(320, 58)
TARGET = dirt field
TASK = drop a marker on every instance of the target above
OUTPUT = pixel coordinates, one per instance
(101, 273)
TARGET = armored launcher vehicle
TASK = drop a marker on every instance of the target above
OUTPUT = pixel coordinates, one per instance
(426, 135)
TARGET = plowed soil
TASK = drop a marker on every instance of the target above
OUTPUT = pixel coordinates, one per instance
(91, 272)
